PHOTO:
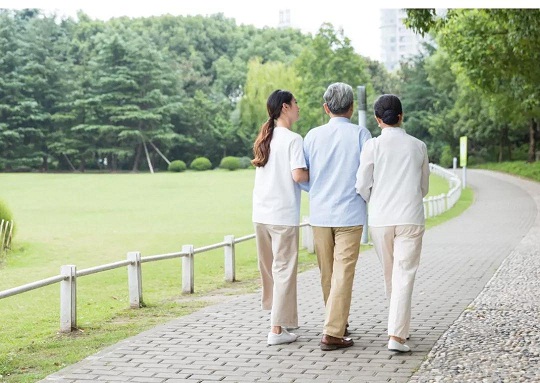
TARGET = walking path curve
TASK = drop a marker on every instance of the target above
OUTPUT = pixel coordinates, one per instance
(462, 330)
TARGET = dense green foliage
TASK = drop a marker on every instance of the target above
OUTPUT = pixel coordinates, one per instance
(245, 162)
(200, 163)
(126, 94)
(177, 166)
(484, 77)
(230, 163)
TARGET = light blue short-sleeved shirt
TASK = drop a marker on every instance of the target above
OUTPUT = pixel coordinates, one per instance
(332, 154)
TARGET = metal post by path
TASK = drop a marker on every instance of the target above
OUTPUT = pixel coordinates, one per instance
(362, 121)
(463, 159)
(362, 106)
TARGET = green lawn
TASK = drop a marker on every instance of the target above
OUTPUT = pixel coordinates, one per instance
(93, 219)
(519, 168)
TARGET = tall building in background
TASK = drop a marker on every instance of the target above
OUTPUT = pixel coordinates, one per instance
(397, 42)
(284, 18)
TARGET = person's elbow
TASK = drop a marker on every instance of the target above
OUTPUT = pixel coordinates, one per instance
(364, 192)
(300, 175)
(425, 190)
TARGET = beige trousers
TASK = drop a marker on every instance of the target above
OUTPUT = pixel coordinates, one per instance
(398, 249)
(337, 251)
(277, 248)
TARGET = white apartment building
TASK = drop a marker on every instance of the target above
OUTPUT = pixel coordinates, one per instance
(397, 42)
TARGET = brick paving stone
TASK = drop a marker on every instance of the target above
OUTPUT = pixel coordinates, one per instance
(147, 380)
(227, 341)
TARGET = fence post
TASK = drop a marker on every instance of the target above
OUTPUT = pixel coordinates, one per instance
(443, 203)
(68, 298)
(2, 235)
(188, 270)
(9, 236)
(135, 279)
(230, 265)
(307, 236)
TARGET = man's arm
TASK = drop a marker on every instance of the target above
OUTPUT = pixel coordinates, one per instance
(364, 175)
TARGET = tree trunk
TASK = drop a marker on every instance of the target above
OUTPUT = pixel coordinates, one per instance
(504, 144)
(69, 162)
(501, 146)
(45, 164)
(137, 158)
(532, 140)
(114, 162)
(82, 165)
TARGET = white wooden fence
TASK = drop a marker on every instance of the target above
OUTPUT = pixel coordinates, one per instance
(69, 274)
(437, 205)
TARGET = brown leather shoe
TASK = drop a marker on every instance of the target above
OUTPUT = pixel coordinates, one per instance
(347, 332)
(329, 343)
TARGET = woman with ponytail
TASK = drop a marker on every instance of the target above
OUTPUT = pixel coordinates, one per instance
(280, 166)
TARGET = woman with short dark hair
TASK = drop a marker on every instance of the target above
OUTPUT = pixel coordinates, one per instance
(394, 177)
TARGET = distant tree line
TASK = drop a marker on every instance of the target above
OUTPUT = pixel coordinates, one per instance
(83, 94)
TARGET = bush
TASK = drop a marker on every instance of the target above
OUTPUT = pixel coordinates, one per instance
(201, 163)
(245, 162)
(5, 214)
(447, 159)
(231, 163)
(177, 166)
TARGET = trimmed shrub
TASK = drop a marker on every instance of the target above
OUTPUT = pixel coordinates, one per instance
(201, 163)
(231, 163)
(5, 214)
(245, 162)
(177, 166)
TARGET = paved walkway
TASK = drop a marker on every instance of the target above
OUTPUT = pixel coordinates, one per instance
(227, 341)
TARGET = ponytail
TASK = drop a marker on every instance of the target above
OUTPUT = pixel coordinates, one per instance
(261, 147)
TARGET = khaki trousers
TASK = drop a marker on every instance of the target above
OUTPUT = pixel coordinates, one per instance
(398, 249)
(277, 248)
(337, 251)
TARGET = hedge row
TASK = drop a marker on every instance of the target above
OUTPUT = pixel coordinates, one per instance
(203, 163)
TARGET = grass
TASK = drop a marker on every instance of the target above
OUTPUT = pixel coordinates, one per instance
(519, 168)
(93, 219)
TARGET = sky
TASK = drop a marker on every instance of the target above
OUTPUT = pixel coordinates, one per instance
(360, 20)
(360, 23)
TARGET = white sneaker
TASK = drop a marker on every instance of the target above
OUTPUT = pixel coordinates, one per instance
(394, 345)
(284, 337)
